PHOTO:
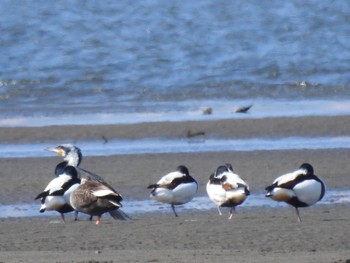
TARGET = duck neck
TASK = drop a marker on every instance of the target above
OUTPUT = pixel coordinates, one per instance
(73, 159)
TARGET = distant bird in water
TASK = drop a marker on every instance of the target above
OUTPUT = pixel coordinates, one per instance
(72, 156)
(208, 111)
(301, 188)
(243, 109)
(191, 134)
(227, 189)
(58, 191)
(94, 198)
(175, 188)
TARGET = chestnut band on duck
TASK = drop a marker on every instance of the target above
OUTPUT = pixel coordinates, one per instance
(227, 189)
(301, 188)
(175, 188)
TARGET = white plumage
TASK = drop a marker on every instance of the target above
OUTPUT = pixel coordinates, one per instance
(300, 188)
(57, 183)
(227, 189)
(52, 203)
(54, 197)
(175, 188)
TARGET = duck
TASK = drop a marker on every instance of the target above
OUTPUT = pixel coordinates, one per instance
(95, 198)
(72, 156)
(175, 188)
(301, 188)
(227, 189)
(54, 196)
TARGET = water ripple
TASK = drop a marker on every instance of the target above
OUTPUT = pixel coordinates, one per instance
(161, 145)
(153, 51)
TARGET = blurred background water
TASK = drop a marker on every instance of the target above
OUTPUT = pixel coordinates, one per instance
(80, 57)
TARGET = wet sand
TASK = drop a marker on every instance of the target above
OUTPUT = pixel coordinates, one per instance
(254, 235)
(230, 128)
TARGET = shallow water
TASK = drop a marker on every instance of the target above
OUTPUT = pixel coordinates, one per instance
(160, 145)
(200, 203)
(67, 58)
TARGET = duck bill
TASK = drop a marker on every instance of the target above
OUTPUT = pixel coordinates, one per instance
(55, 150)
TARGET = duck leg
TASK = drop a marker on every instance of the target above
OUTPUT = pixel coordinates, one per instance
(219, 210)
(231, 212)
(98, 220)
(76, 215)
(62, 216)
(173, 207)
(297, 210)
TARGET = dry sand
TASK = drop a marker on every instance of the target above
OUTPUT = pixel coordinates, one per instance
(254, 235)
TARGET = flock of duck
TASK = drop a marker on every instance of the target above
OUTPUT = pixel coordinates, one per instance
(76, 189)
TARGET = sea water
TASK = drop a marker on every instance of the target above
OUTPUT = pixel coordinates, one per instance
(72, 62)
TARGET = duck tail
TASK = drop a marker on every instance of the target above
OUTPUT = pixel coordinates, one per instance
(42, 195)
(118, 214)
(268, 194)
(270, 188)
(153, 186)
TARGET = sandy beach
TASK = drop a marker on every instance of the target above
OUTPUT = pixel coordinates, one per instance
(254, 235)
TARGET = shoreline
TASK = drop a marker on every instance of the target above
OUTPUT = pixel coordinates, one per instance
(174, 111)
(136, 208)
